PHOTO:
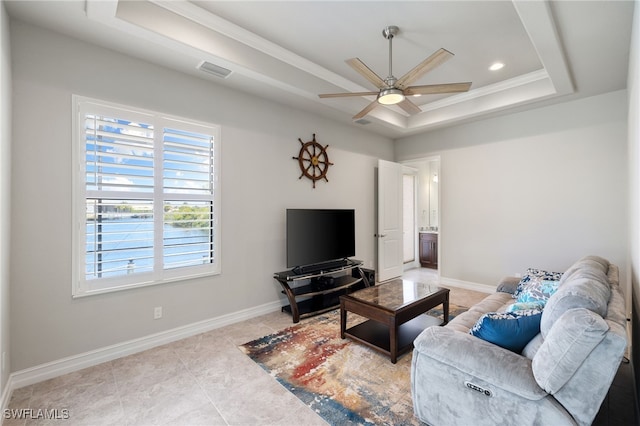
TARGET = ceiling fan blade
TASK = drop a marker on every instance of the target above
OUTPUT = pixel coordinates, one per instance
(440, 56)
(342, 95)
(366, 72)
(410, 107)
(431, 89)
(366, 110)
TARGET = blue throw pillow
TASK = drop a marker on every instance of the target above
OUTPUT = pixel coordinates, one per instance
(510, 330)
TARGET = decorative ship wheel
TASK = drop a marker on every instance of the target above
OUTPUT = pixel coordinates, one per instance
(313, 160)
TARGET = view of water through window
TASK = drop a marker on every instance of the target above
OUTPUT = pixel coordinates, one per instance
(124, 244)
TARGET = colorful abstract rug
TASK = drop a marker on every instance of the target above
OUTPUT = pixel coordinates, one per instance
(343, 381)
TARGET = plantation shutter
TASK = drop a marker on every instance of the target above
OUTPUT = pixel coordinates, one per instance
(146, 203)
(188, 163)
(119, 178)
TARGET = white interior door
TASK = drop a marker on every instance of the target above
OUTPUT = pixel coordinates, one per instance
(389, 235)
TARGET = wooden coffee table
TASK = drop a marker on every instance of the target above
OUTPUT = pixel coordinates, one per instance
(395, 314)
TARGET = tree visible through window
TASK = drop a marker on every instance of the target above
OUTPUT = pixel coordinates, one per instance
(150, 206)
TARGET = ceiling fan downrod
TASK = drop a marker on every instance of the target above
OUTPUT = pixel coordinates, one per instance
(388, 33)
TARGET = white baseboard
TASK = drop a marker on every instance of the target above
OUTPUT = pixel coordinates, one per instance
(73, 363)
(467, 285)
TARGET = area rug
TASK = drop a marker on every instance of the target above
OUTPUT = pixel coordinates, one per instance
(343, 381)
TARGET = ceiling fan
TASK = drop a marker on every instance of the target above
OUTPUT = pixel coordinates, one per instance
(394, 91)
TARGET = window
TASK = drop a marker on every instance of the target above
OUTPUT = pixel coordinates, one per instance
(146, 198)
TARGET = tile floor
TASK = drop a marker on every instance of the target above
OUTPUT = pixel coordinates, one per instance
(206, 380)
(201, 380)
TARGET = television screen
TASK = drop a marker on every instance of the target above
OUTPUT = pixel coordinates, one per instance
(319, 235)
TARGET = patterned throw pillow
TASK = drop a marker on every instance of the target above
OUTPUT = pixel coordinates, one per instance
(537, 291)
(533, 276)
(510, 330)
(525, 306)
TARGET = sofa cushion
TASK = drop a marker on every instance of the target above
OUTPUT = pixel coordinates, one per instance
(589, 290)
(589, 264)
(494, 302)
(576, 333)
(508, 285)
(533, 346)
(510, 330)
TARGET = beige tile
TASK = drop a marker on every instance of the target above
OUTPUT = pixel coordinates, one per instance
(205, 415)
(276, 320)
(88, 389)
(105, 412)
(157, 402)
(21, 394)
(86, 377)
(198, 351)
(227, 372)
(245, 331)
(11, 421)
(142, 370)
(20, 399)
(260, 402)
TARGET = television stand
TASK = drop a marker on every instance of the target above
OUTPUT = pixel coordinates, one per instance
(318, 267)
(314, 292)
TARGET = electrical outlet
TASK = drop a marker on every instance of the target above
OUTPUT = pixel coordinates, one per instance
(157, 312)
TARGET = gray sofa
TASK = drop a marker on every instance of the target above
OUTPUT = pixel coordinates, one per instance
(560, 377)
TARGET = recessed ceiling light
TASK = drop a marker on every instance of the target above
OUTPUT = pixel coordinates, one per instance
(496, 66)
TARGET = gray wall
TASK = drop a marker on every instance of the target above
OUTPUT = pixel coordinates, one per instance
(533, 189)
(259, 181)
(5, 191)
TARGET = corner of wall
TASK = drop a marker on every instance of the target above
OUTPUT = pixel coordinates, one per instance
(5, 199)
(633, 93)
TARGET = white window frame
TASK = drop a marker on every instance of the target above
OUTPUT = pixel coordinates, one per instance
(84, 287)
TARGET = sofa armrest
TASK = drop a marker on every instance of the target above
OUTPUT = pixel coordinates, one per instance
(474, 357)
(508, 285)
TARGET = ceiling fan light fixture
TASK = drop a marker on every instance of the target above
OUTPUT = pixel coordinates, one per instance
(390, 96)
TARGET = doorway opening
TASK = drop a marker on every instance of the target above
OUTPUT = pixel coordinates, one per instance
(408, 217)
(421, 213)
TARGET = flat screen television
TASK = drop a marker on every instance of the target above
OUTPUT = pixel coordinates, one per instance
(318, 236)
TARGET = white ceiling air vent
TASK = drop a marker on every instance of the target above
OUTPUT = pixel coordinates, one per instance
(214, 69)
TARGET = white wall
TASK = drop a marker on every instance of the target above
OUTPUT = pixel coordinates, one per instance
(533, 189)
(633, 89)
(259, 181)
(5, 191)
